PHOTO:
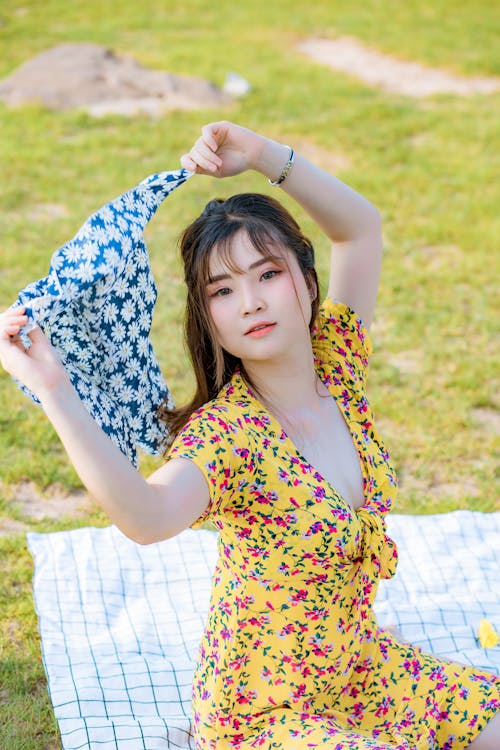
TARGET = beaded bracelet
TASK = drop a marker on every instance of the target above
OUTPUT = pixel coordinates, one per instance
(286, 169)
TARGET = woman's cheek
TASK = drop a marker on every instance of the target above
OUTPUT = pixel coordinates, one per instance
(222, 316)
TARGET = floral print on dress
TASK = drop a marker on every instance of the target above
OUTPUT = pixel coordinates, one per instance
(292, 656)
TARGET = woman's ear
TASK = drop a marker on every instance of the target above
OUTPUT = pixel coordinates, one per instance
(312, 288)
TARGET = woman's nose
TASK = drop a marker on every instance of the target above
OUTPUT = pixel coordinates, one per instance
(251, 301)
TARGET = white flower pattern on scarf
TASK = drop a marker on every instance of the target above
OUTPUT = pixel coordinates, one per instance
(96, 306)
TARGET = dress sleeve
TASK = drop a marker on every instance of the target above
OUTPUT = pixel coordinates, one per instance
(341, 343)
(211, 440)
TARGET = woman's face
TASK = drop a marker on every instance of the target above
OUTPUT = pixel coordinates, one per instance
(261, 305)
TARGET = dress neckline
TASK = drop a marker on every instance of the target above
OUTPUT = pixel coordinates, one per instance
(238, 380)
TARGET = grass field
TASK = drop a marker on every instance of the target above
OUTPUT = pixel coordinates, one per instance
(430, 165)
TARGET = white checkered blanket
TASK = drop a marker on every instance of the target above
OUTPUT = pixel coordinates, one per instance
(120, 623)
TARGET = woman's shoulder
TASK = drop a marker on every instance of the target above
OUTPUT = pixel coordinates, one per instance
(340, 338)
(224, 415)
(215, 439)
(336, 320)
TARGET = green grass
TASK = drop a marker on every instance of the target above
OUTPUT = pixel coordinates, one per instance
(429, 166)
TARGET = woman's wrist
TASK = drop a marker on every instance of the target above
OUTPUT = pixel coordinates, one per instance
(59, 393)
(272, 159)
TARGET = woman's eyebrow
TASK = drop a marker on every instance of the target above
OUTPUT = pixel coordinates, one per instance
(260, 262)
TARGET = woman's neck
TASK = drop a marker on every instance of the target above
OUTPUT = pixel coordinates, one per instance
(290, 390)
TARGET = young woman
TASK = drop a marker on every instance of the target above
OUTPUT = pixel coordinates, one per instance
(279, 452)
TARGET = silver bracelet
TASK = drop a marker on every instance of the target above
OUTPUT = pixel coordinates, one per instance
(286, 169)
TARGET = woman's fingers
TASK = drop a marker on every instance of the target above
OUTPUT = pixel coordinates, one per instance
(192, 165)
(38, 367)
(12, 312)
(188, 163)
(214, 134)
(205, 149)
(12, 329)
(194, 162)
(223, 150)
(17, 322)
(11, 321)
(11, 347)
(202, 157)
(38, 337)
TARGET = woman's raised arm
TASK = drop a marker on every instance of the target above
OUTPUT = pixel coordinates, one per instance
(353, 225)
(350, 221)
(145, 510)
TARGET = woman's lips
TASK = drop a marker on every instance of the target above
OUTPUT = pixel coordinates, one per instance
(260, 330)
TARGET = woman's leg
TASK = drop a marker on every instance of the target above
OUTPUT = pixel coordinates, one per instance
(489, 739)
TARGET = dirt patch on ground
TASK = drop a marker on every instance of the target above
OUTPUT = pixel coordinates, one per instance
(436, 489)
(12, 635)
(349, 56)
(332, 161)
(27, 501)
(91, 77)
(381, 326)
(488, 419)
(47, 212)
(408, 362)
(437, 257)
(9, 526)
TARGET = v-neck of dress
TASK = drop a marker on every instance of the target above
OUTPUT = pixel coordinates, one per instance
(281, 431)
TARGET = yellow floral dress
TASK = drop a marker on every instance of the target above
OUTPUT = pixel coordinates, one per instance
(292, 656)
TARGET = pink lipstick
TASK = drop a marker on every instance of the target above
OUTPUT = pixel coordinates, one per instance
(260, 329)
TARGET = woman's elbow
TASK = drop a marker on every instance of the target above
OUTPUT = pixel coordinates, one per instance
(142, 536)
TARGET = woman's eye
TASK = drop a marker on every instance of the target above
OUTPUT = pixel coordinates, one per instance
(221, 292)
(269, 274)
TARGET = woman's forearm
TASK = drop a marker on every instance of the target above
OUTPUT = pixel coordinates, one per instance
(130, 502)
(341, 212)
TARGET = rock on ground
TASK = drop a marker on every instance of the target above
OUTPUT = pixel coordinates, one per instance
(81, 75)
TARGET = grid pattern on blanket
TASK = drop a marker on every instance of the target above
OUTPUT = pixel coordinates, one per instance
(120, 623)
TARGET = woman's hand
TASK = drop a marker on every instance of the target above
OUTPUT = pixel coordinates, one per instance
(39, 367)
(224, 150)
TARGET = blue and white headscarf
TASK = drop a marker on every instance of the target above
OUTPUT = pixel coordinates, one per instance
(96, 305)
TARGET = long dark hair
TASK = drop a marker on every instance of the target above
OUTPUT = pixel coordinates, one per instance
(267, 224)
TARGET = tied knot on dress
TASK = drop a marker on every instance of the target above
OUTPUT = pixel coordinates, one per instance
(375, 545)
